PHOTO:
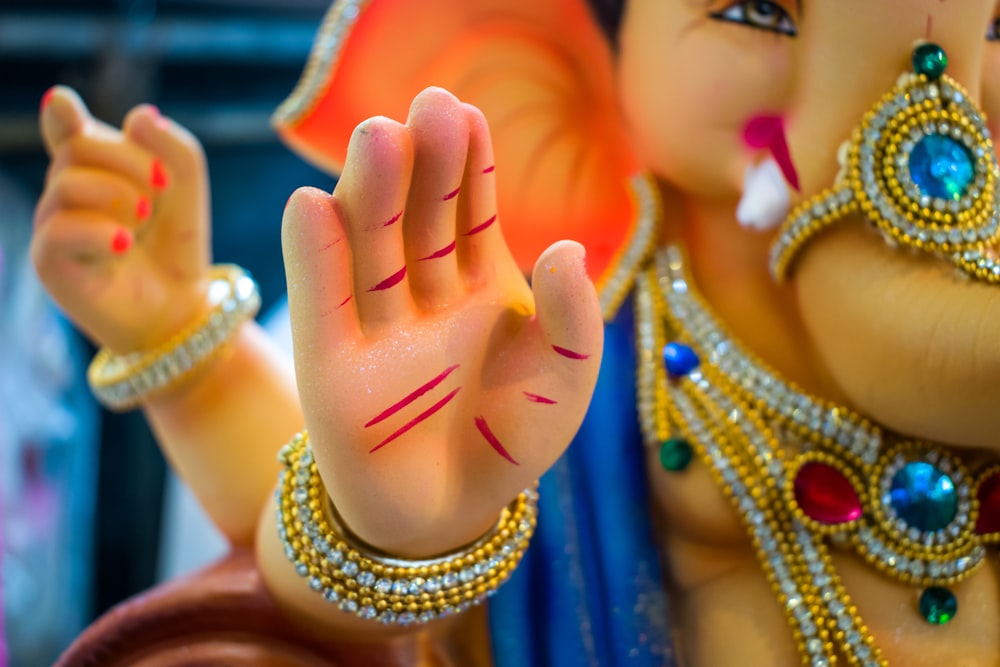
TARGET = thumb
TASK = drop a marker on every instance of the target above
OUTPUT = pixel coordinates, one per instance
(62, 116)
(567, 307)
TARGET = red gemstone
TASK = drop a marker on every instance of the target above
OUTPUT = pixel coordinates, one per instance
(825, 494)
(989, 505)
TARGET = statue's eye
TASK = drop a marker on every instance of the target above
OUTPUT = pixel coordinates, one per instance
(760, 14)
(993, 32)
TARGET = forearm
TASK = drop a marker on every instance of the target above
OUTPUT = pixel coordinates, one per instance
(222, 428)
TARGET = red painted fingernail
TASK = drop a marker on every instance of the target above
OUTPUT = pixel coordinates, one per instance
(154, 111)
(159, 178)
(47, 97)
(121, 242)
(142, 209)
(161, 122)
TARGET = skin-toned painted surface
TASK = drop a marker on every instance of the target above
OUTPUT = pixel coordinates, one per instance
(894, 336)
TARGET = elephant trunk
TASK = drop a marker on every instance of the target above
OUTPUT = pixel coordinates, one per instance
(909, 343)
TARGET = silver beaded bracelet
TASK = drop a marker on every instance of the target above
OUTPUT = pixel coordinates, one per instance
(121, 382)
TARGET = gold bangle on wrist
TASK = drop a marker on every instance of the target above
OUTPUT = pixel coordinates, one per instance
(121, 382)
(378, 586)
(921, 166)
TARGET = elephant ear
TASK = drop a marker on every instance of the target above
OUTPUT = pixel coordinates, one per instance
(542, 73)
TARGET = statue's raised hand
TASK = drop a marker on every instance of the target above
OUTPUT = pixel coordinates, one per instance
(436, 384)
(121, 231)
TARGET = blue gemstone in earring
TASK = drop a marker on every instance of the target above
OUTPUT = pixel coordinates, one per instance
(679, 359)
(942, 167)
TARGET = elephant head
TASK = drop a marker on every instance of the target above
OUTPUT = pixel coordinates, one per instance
(669, 86)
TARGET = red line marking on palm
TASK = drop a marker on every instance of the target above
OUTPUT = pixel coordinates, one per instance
(416, 420)
(443, 252)
(535, 398)
(484, 428)
(412, 396)
(391, 281)
(570, 354)
(479, 228)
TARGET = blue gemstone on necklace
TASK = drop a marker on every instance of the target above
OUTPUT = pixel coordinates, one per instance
(941, 167)
(923, 496)
(679, 359)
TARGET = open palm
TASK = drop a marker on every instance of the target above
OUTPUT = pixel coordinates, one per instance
(436, 384)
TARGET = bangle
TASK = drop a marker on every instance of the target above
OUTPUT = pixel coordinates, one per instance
(121, 382)
(373, 585)
(922, 167)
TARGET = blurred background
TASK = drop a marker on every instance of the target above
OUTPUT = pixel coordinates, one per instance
(88, 514)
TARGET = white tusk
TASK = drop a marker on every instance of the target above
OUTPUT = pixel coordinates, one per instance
(765, 200)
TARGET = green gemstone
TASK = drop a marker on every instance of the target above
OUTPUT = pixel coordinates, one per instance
(930, 60)
(938, 605)
(675, 454)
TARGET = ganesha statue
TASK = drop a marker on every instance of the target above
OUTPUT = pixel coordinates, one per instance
(742, 412)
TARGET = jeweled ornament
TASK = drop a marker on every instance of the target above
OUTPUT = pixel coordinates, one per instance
(923, 496)
(938, 605)
(825, 494)
(679, 359)
(930, 60)
(942, 167)
(989, 505)
(675, 454)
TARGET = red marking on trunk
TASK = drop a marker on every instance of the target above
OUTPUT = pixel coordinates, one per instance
(489, 169)
(143, 209)
(766, 131)
(930, 26)
(121, 242)
(158, 176)
(452, 194)
(391, 281)
(570, 354)
(484, 428)
(535, 398)
(479, 228)
(393, 219)
(416, 420)
(343, 303)
(443, 252)
(47, 98)
(411, 396)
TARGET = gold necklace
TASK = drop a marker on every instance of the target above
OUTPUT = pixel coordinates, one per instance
(805, 474)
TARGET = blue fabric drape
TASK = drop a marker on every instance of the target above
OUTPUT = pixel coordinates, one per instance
(589, 591)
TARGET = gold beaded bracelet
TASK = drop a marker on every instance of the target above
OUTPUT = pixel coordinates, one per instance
(921, 166)
(121, 382)
(377, 586)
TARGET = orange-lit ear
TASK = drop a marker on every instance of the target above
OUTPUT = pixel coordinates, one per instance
(540, 70)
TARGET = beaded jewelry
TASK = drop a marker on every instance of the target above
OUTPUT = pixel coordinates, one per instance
(921, 166)
(376, 586)
(806, 475)
(121, 382)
